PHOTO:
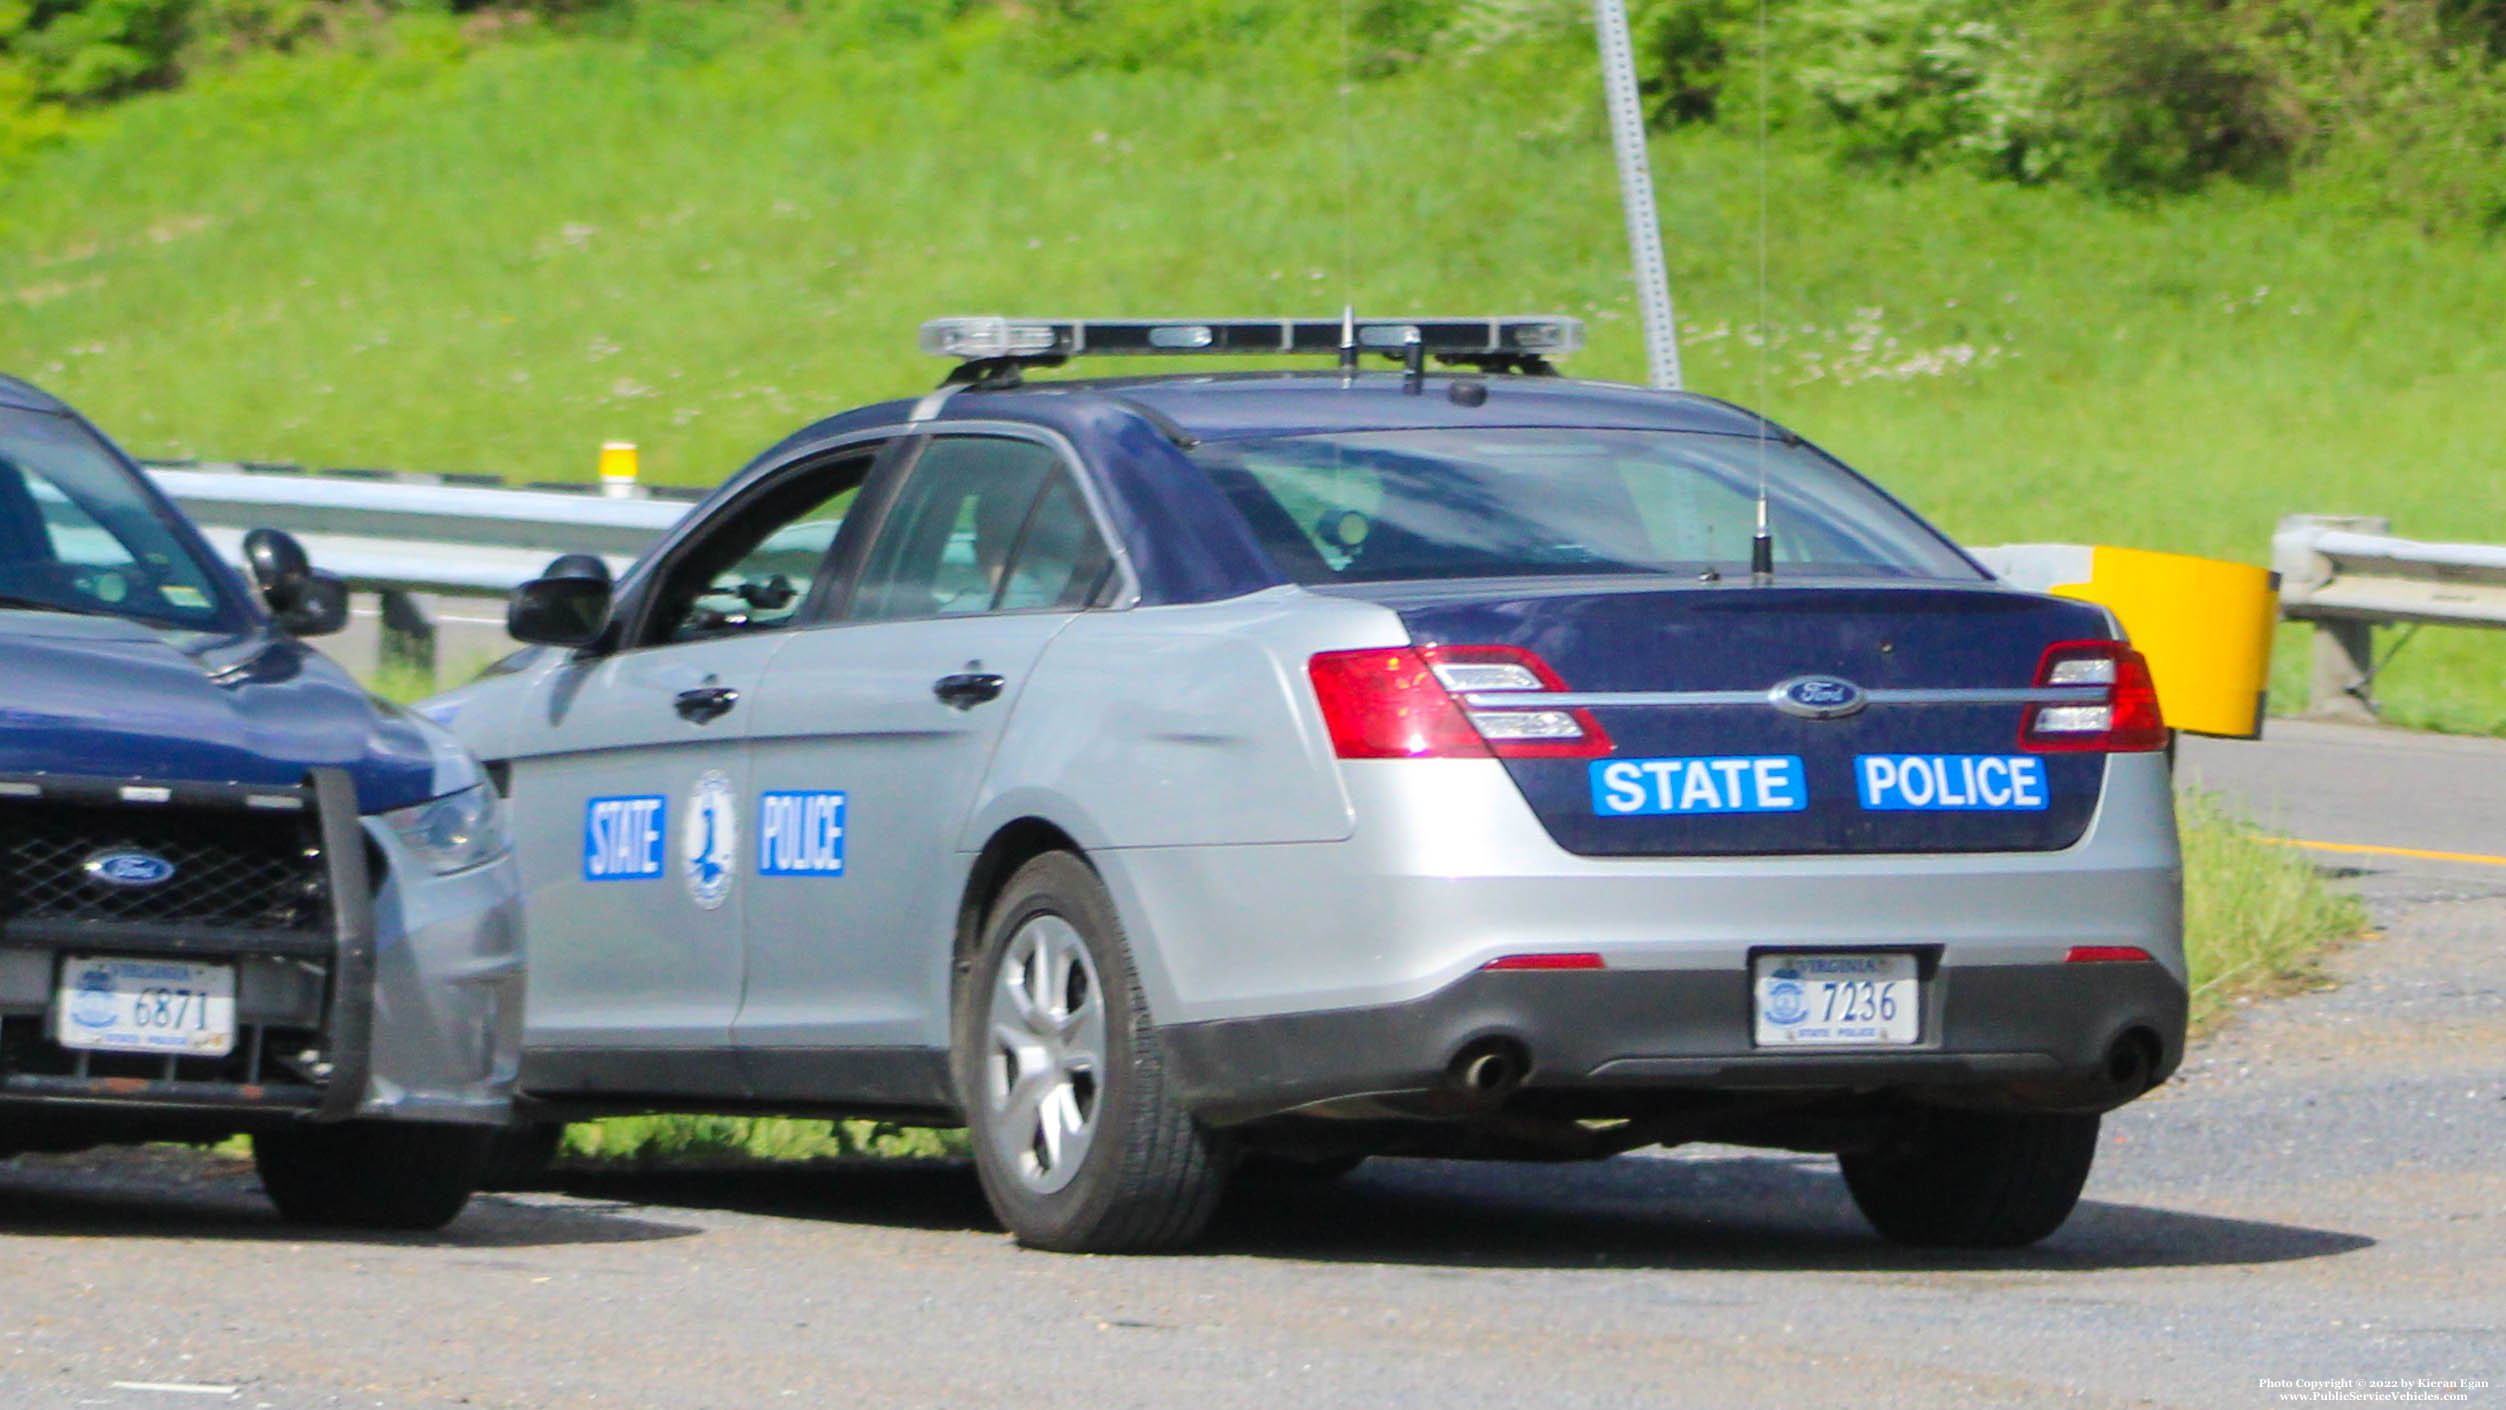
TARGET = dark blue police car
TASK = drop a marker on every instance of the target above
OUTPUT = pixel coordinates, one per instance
(237, 893)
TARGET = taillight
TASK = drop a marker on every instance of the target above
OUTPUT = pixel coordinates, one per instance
(1527, 731)
(1386, 704)
(2125, 721)
(1405, 702)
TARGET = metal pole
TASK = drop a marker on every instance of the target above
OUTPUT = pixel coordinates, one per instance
(1635, 180)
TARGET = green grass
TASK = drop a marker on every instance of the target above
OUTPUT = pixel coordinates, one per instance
(697, 239)
(2258, 917)
(658, 1139)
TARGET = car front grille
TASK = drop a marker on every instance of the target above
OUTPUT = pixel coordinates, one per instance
(231, 868)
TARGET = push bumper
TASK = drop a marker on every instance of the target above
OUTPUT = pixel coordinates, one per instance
(405, 1002)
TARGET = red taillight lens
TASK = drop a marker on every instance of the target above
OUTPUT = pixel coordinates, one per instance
(2107, 954)
(1406, 703)
(2126, 721)
(1387, 704)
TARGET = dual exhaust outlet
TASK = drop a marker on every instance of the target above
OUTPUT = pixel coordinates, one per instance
(1485, 1071)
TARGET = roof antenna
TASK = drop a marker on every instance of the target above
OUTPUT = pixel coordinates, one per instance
(1348, 209)
(1762, 547)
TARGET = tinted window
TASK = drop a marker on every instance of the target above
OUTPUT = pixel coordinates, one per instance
(78, 534)
(1379, 505)
(983, 524)
(753, 569)
(1060, 561)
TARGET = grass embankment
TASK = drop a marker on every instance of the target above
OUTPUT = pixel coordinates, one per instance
(2258, 916)
(697, 237)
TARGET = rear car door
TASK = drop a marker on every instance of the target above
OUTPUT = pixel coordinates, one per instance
(631, 789)
(872, 740)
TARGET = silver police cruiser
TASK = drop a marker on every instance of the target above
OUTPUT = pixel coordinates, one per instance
(1169, 777)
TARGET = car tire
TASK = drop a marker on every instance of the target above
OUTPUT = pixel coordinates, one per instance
(1080, 1144)
(372, 1174)
(1974, 1179)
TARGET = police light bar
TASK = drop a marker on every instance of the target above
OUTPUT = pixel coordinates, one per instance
(1052, 339)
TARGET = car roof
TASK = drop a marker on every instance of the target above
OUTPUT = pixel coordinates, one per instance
(1235, 405)
(26, 396)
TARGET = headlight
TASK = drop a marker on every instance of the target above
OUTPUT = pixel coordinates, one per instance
(455, 832)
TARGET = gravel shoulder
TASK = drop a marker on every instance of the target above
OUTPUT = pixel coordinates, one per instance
(2317, 1196)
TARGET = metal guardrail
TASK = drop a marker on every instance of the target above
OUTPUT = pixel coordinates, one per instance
(2348, 576)
(406, 538)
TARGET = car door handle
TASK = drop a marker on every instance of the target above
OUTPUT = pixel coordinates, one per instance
(706, 704)
(965, 692)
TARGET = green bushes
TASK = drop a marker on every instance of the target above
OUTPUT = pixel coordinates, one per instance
(2400, 103)
(58, 57)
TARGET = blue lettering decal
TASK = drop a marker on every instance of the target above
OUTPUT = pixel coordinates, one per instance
(622, 838)
(1951, 783)
(1623, 788)
(800, 834)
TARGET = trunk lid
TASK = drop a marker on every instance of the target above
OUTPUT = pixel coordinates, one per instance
(1709, 765)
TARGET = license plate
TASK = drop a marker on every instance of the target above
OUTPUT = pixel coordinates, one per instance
(173, 1007)
(1830, 1000)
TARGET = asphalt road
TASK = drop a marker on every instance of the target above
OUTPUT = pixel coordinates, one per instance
(2319, 1196)
(2401, 813)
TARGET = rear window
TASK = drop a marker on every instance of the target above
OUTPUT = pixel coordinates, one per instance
(1375, 506)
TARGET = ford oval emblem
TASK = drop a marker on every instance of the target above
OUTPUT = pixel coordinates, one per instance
(1818, 697)
(128, 867)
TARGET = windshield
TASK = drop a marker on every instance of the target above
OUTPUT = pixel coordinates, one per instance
(1373, 506)
(77, 535)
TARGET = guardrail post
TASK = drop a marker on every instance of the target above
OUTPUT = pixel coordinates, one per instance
(408, 635)
(2341, 683)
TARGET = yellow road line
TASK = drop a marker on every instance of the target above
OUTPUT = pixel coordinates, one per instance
(2388, 851)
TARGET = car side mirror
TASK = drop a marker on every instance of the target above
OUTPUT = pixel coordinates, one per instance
(305, 601)
(566, 605)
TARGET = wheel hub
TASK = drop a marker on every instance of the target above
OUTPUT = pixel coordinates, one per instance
(1045, 1062)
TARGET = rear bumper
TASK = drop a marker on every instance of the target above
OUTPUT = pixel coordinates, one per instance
(1291, 974)
(1447, 869)
(2032, 1036)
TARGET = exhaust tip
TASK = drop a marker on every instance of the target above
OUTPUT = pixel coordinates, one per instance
(1488, 1068)
(2132, 1060)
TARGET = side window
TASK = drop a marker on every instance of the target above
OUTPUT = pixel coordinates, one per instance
(753, 569)
(1060, 561)
(983, 524)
